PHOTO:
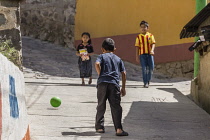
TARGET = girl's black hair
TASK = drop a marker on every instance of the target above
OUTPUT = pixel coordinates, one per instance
(88, 34)
(144, 23)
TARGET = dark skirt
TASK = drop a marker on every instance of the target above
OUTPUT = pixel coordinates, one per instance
(85, 68)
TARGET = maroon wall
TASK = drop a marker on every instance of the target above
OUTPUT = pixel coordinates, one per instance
(126, 50)
(171, 53)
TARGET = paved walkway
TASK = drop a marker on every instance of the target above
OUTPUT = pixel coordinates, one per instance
(161, 112)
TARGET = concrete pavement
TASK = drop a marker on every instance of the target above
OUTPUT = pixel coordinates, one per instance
(161, 112)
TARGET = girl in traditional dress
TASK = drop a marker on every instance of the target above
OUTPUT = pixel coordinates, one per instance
(84, 51)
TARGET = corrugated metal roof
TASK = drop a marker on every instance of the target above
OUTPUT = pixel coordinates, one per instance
(191, 28)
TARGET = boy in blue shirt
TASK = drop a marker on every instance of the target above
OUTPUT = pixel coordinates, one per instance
(109, 66)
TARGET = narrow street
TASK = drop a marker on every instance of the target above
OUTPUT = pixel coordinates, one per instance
(161, 112)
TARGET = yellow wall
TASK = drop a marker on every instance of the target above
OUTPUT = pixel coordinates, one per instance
(104, 18)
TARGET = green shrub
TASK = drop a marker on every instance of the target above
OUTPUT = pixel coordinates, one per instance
(8, 50)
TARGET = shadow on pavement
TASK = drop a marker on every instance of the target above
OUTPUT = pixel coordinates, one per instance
(58, 84)
(158, 119)
(79, 134)
(141, 86)
(92, 85)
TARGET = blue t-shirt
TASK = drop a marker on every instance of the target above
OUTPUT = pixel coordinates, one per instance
(111, 68)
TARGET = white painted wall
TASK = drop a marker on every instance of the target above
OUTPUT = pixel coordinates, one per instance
(13, 128)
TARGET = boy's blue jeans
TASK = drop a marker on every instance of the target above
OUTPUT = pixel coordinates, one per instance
(147, 64)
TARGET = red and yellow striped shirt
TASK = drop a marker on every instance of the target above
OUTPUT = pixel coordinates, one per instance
(144, 42)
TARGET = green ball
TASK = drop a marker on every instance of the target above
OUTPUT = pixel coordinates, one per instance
(55, 101)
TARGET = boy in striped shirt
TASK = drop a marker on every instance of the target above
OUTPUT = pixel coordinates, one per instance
(145, 45)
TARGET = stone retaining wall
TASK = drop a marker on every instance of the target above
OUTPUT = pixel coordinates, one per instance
(176, 69)
(49, 20)
(10, 26)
